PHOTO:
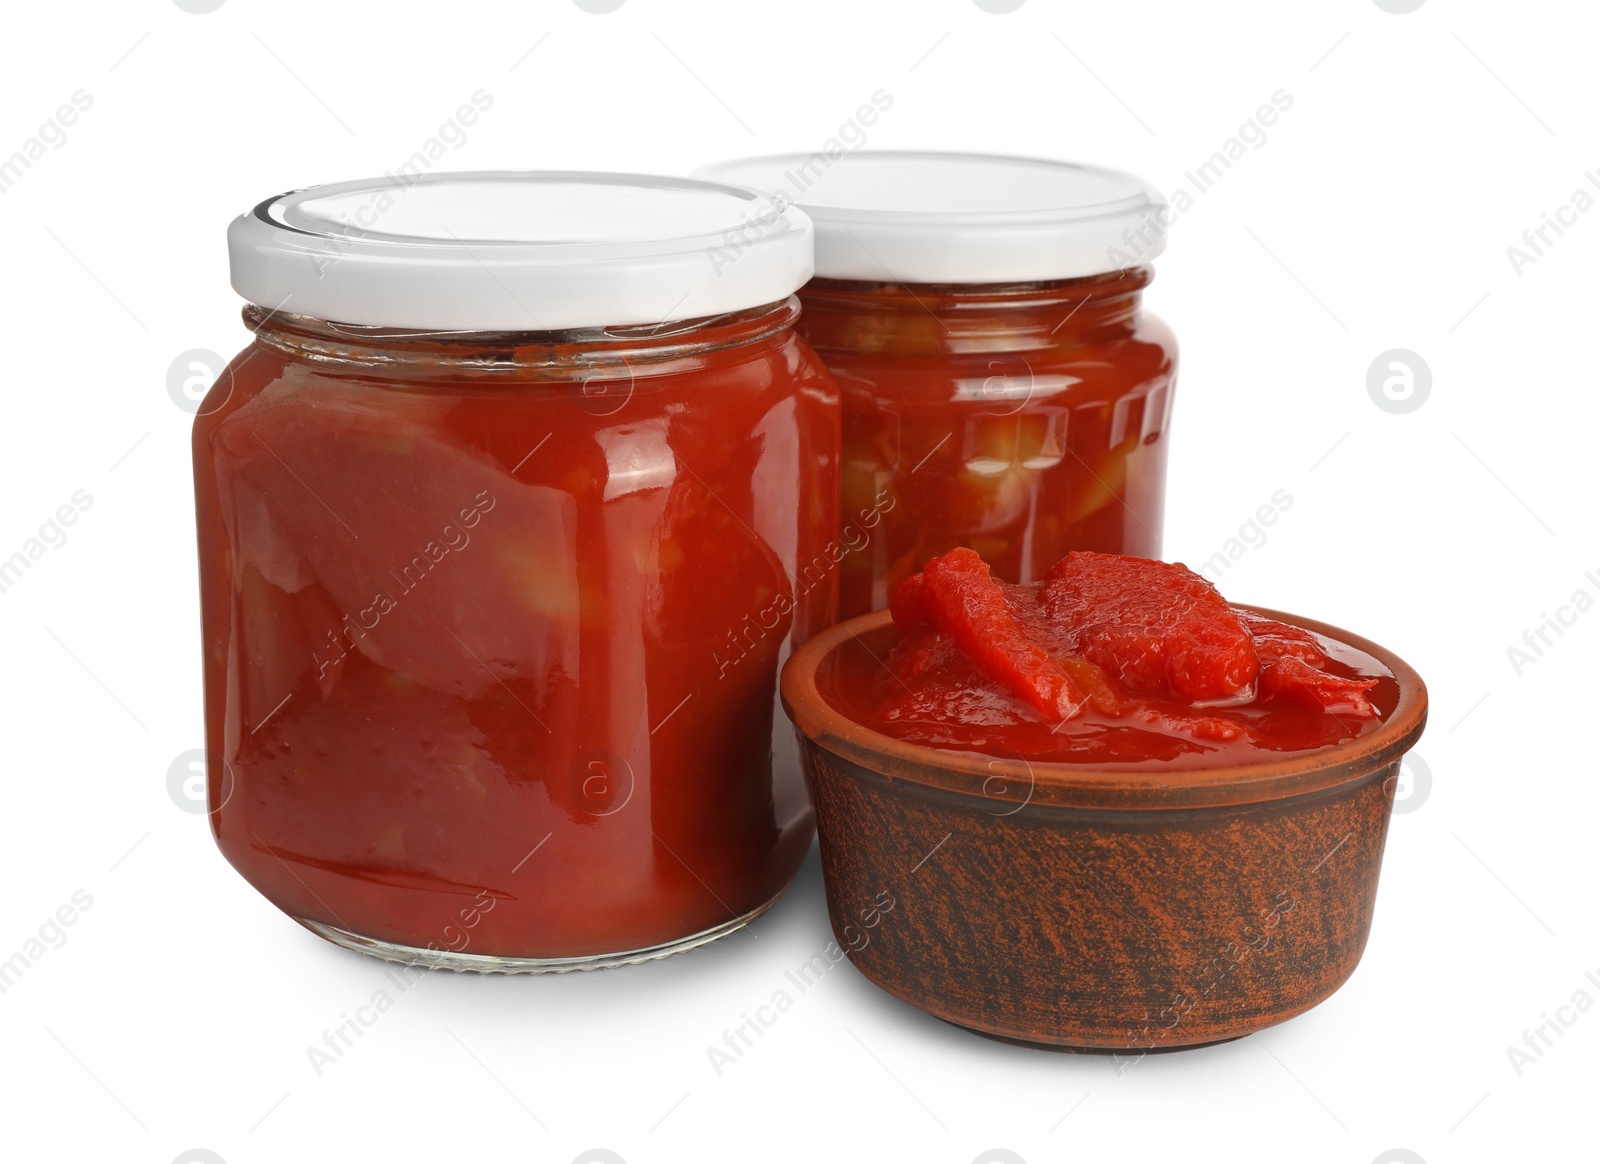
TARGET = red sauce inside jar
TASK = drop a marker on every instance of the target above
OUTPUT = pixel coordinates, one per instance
(975, 677)
(1020, 420)
(492, 625)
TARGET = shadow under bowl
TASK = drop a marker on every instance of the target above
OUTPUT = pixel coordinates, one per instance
(1118, 911)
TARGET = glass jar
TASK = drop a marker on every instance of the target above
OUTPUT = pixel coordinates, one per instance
(493, 613)
(1002, 386)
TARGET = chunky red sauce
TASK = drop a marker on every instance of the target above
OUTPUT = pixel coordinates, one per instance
(1021, 421)
(492, 626)
(1106, 660)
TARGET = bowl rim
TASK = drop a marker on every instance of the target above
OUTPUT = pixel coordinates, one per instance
(1024, 782)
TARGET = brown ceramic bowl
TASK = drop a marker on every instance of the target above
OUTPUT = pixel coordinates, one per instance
(1061, 906)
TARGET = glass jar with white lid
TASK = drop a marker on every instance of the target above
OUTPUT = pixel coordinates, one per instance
(507, 519)
(1003, 386)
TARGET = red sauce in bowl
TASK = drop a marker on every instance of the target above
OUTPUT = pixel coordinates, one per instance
(1106, 661)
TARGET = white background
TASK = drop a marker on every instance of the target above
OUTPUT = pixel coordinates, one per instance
(178, 1011)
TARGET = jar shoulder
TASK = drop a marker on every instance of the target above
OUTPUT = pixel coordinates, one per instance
(1135, 361)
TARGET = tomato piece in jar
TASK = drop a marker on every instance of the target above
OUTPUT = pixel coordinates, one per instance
(1020, 422)
(491, 660)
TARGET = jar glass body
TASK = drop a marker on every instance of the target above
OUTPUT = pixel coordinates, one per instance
(1022, 420)
(492, 628)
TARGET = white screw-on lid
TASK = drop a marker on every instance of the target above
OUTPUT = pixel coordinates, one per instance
(925, 217)
(518, 251)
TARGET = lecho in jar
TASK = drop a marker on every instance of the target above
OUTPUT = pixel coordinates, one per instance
(1003, 388)
(505, 521)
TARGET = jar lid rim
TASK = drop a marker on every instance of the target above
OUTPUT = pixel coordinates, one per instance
(931, 216)
(518, 250)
